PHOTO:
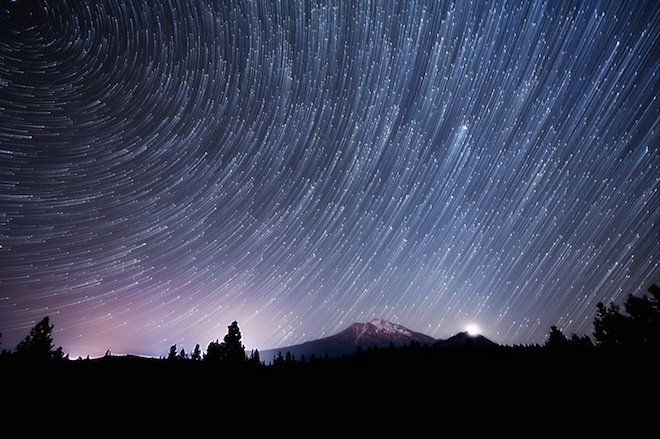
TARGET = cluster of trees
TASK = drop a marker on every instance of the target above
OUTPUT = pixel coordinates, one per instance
(229, 351)
(637, 327)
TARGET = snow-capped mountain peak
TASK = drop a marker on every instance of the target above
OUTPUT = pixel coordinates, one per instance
(383, 326)
(377, 333)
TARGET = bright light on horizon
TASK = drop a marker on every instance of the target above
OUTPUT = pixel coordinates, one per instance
(472, 329)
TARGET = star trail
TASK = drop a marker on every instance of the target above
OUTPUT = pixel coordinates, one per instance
(168, 167)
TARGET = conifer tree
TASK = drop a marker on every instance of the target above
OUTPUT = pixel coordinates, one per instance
(213, 352)
(38, 345)
(172, 355)
(556, 339)
(232, 348)
(255, 358)
(196, 354)
(638, 327)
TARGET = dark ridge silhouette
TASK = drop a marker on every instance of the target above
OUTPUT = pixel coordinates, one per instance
(465, 340)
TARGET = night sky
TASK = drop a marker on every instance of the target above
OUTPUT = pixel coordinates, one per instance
(168, 167)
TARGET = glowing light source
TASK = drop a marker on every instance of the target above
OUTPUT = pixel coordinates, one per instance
(473, 330)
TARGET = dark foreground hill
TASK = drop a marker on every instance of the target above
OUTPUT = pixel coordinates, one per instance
(388, 388)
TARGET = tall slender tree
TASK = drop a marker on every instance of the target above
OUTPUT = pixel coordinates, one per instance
(196, 354)
(233, 350)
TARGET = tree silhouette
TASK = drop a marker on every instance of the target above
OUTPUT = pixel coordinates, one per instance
(644, 316)
(232, 347)
(213, 352)
(230, 350)
(196, 354)
(172, 354)
(556, 339)
(639, 328)
(609, 325)
(38, 344)
(278, 359)
(4, 353)
(583, 341)
(255, 358)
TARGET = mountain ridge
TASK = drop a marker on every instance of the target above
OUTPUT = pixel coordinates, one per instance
(376, 333)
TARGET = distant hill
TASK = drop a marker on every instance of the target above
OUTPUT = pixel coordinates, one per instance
(376, 333)
(463, 339)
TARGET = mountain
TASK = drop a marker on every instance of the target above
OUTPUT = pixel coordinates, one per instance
(463, 339)
(376, 333)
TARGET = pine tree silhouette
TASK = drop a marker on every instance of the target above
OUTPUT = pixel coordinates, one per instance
(38, 345)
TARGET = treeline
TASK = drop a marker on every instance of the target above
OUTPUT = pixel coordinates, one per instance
(635, 327)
